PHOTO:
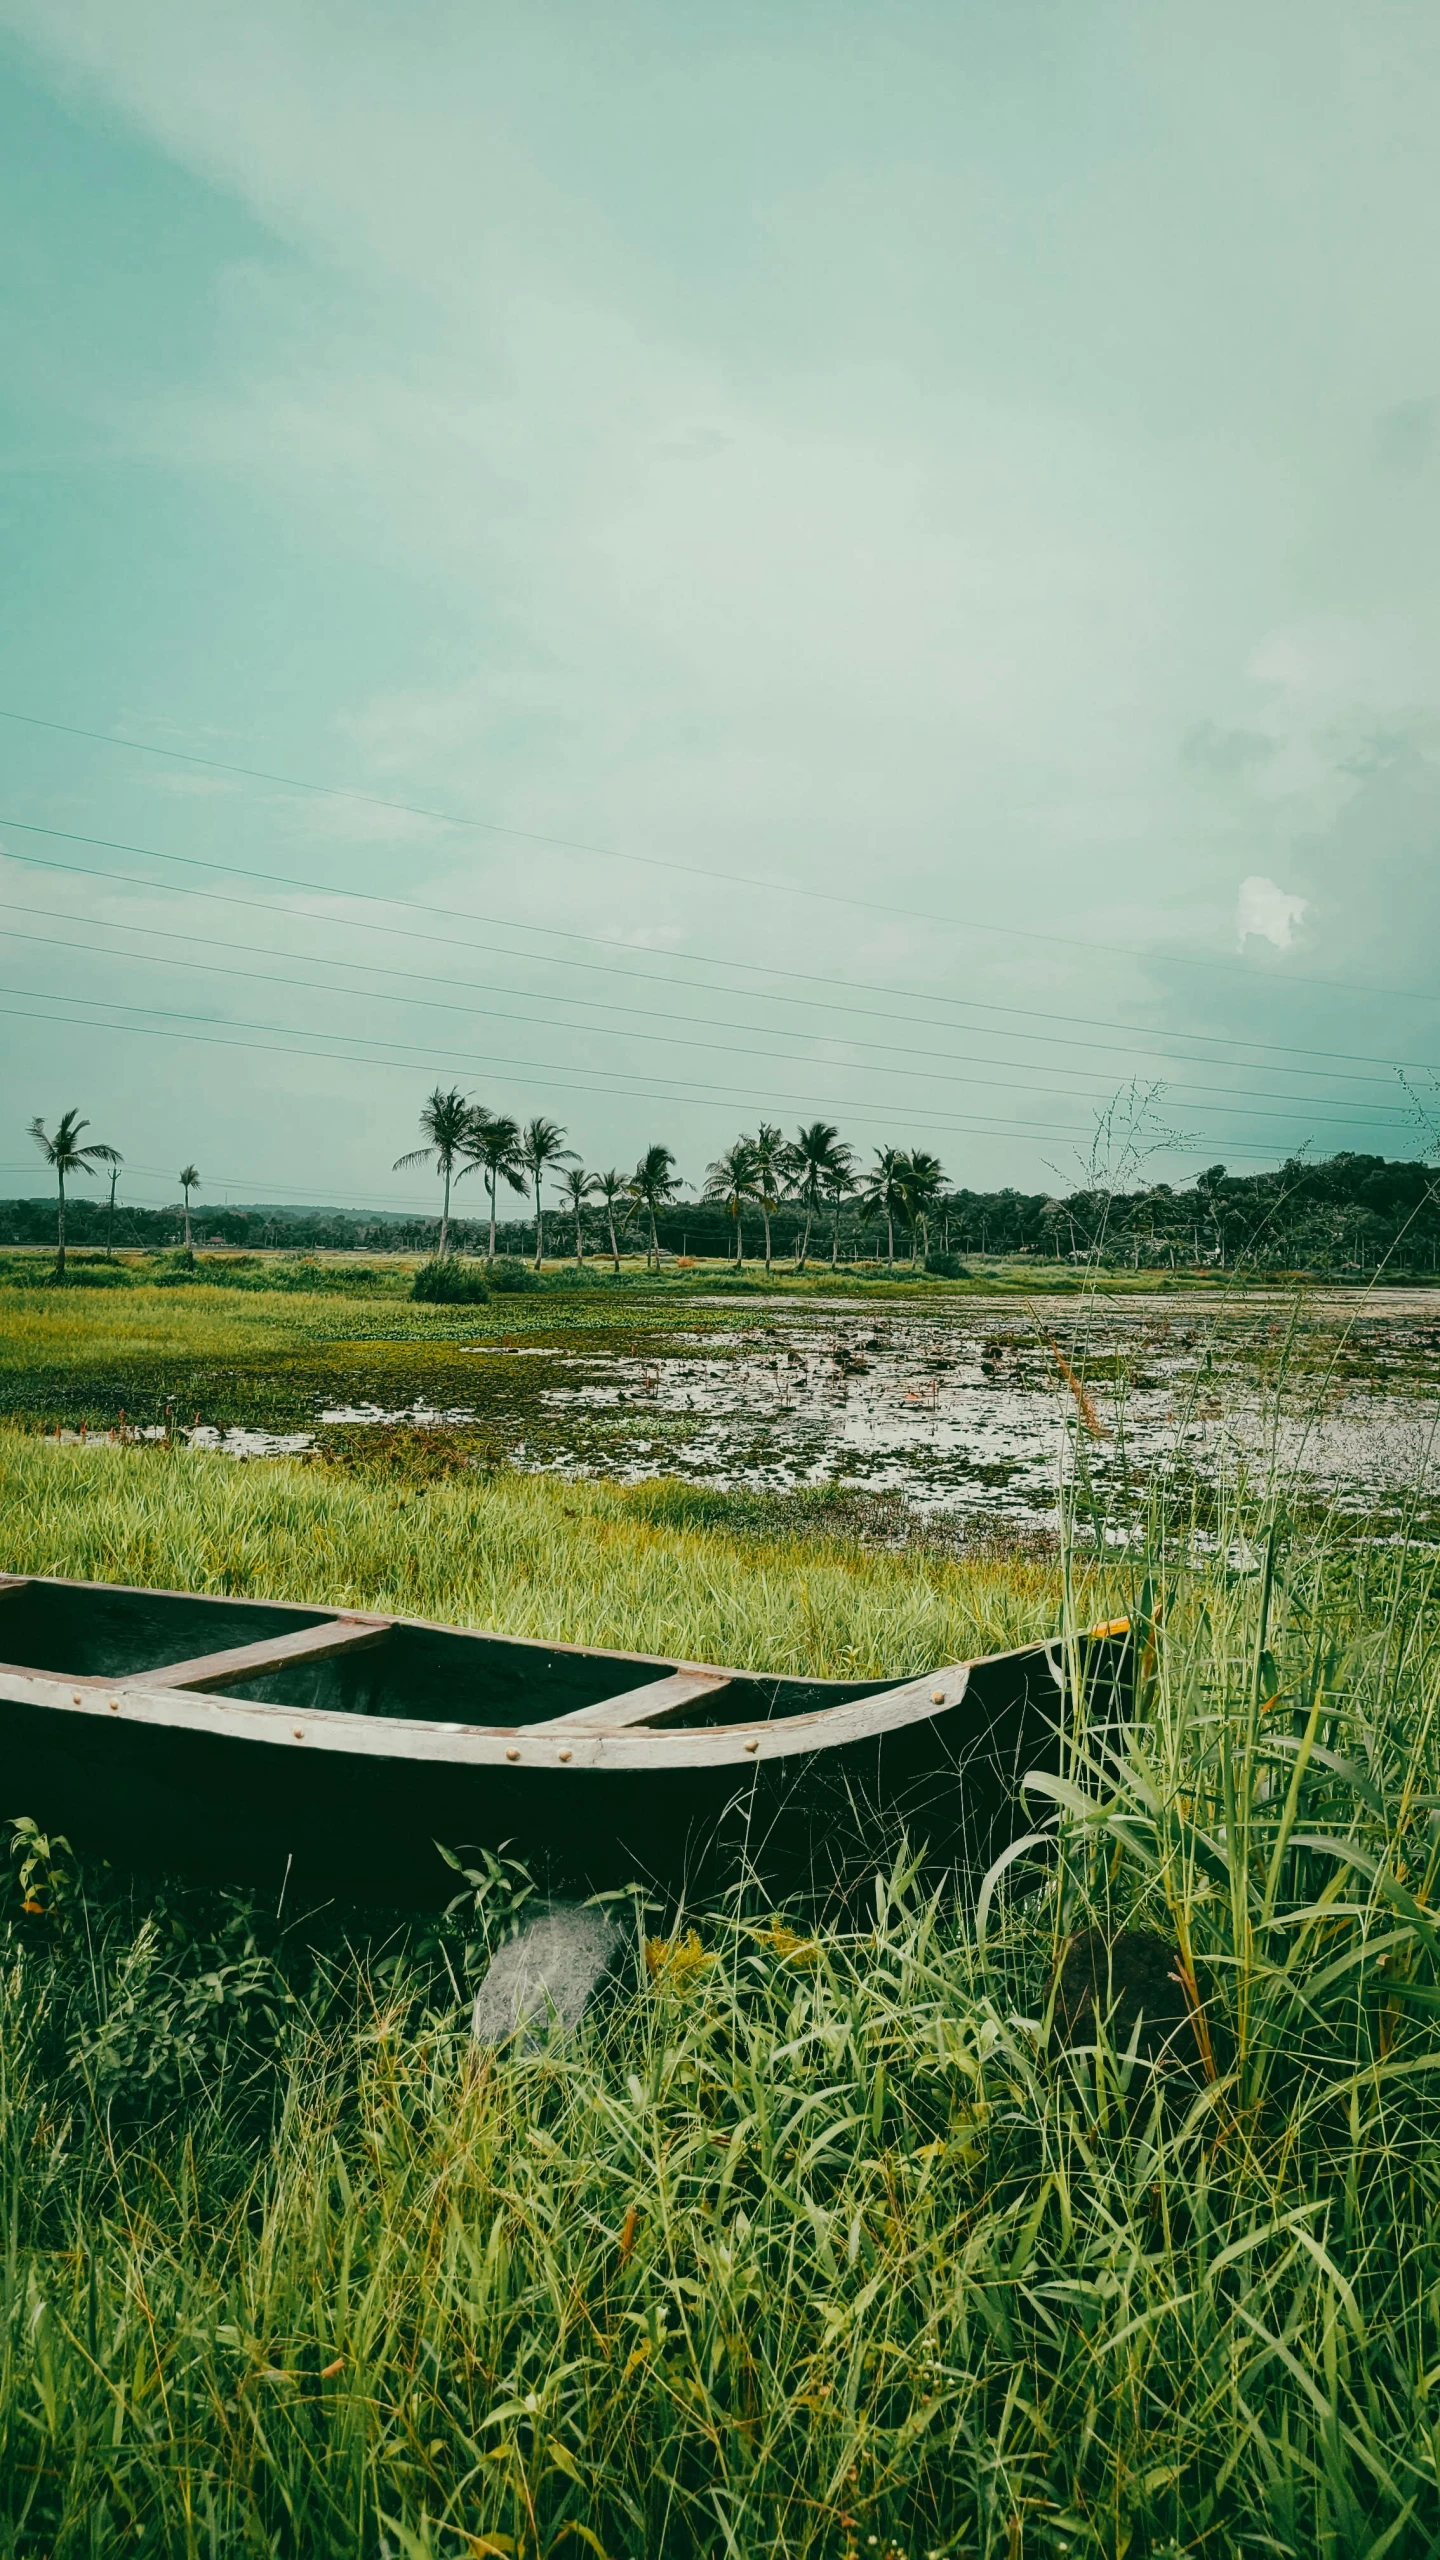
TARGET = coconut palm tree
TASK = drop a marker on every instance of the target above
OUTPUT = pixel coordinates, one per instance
(732, 1180)
(542, 1143)
(771, 1152)
(812, 1155)
(839, 1180)
(492, 1143)
(610, 1189)
(575, 1190)
(922, 1179)
(882, 1193)
(445, 1125)
(189, 1181)
(114, 1159)
(652, 1186)
(64, 1154)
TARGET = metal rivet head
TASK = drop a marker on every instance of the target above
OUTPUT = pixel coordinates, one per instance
(752, 1746)
(75, 1698)
(512, 1753)
(567, 1755)
(937, 1697)
(299, 1731)
(114, 1706)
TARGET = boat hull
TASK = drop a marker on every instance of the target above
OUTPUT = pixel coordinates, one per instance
(315, 1802)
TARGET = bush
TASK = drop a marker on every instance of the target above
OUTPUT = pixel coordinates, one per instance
(406, 1453)
(945, 1266)
(89, 1275)
(451, 1283)
(511, 1279)
(299, 1273)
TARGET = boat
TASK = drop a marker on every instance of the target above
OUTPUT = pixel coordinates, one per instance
(341, 1754)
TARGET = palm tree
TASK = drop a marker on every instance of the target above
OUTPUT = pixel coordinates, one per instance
(64, 1154)
(839, 1181)
(542, 1144)
(811, 1159)
(652, 1186)
(610, 1189)
(731, 1179)
(114, 1159)
(882, 1194)
(445, 1125)
(189, 1181)
(493, 1142)
(575, 1190)
(922, 1178)
(771, 1154)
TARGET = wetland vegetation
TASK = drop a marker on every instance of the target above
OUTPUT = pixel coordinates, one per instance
(1346, 1217)
(949, 1400)
(835, 2231)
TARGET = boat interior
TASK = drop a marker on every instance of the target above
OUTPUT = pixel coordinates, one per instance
(355, 1664)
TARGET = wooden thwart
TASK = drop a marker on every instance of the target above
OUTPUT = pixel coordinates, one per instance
(250, 1661)
(635, 1706)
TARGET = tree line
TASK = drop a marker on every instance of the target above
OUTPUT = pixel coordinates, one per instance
(815, 1170)
(801, 1195)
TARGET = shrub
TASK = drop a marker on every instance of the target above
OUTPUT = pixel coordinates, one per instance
(406, 1453)
(293, 1273)
(945, 1266)
(451, 1283)
(89, 1275)
(511, 1279)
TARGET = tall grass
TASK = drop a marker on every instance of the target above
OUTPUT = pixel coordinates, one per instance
(816, 2241)
(530, 1555)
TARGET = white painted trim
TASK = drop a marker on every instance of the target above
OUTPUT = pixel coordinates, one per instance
(400, 1739)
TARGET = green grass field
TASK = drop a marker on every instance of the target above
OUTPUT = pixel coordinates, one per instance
(586, 1563)
(831, 2235)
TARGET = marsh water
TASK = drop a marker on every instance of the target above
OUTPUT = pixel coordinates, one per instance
(977, 1407)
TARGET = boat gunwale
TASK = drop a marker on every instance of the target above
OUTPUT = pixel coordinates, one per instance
(504, 1747)
(531, 1747)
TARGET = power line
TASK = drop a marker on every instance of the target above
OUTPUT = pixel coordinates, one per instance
(684, 1089)
(1369, 1113)
(546, 996)
(510, 924)
(699, 871)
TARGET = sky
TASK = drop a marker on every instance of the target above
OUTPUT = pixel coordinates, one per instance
(680, 567)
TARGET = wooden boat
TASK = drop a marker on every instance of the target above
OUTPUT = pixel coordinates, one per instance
(326, 1753)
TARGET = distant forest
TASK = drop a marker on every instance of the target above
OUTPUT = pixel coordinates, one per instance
(1349, 1214)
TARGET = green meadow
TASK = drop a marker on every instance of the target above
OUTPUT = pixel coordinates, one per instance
(654, 1568)
(925, 2227)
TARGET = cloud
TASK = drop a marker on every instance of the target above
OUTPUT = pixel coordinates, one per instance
(1227, 752)
(1265, 909)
